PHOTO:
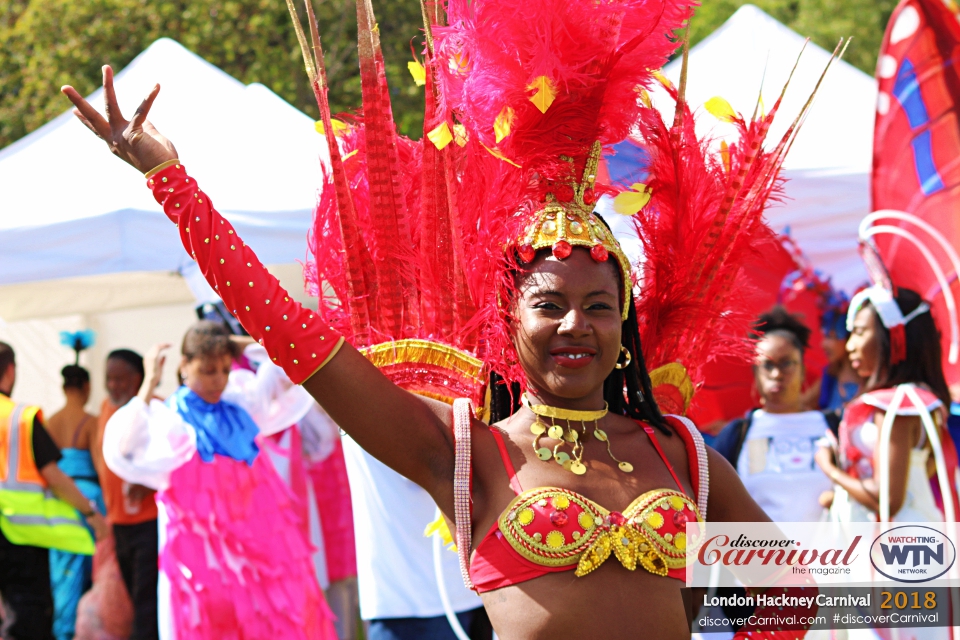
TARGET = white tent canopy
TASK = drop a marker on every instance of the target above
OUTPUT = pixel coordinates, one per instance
(84, 245)
(68, 208)
(828, 168)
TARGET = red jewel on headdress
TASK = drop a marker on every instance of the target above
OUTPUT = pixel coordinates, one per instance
(562, 250)
(589, 197)
(526, 253)
(599, 253)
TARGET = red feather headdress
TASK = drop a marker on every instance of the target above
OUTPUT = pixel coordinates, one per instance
(412, 240)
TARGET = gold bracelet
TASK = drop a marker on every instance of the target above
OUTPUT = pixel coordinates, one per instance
(160, 167)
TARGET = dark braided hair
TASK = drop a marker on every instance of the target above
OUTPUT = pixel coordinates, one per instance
(627, 391)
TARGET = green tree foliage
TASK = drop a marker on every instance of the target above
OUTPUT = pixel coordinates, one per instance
(47, 43)
(823, 21)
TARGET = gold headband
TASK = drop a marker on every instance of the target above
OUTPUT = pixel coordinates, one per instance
(564, 225)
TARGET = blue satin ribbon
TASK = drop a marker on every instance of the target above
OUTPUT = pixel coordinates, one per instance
(222, 428)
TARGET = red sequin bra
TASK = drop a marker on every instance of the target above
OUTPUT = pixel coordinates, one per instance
(550, 529)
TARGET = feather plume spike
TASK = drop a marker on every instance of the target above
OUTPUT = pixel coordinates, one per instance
(393, 256)
(711, 207)
(685, 316)
(357, 263)
(719, 248)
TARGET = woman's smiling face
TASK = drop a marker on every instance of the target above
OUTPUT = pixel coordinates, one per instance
(566, 326)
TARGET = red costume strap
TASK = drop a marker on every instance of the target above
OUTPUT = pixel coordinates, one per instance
(294, 337)
(507, 463)
(656, 445)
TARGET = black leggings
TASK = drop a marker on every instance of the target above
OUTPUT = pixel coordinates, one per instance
(137, 556)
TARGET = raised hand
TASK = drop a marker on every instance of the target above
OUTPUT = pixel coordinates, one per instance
(137, 142)
(153, 363)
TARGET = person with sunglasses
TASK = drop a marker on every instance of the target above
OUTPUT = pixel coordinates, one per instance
(773, 447)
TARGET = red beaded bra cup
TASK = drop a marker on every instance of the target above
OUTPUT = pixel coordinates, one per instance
(556, 527)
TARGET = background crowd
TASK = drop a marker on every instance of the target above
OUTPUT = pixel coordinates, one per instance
(785, 448)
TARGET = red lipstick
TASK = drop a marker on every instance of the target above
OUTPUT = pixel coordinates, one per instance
(573, 357)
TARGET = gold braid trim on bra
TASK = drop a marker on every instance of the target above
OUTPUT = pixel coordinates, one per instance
(555, 527)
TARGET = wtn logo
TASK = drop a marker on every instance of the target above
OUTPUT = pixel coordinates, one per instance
(922, 554)
(912, 553)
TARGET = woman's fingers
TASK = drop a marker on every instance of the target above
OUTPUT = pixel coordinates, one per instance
(110, 99)
(87, 114)
(86, 123)
(141, 113)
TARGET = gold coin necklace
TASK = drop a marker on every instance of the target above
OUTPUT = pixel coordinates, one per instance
(572, 461)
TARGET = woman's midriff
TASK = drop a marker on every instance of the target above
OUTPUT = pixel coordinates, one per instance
(612, 603)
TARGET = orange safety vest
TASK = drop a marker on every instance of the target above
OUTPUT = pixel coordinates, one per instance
(29, 512)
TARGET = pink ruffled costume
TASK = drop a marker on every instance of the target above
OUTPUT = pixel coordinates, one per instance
(234, 561)
(236, 558)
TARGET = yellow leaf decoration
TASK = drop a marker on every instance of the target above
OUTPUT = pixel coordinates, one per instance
(501, 127)
(544, 94)
(720, 109)
(439, 528)
(460, 134)
(645, 98)
(496, 154)
(630, 202)
(338, 127)
(441, 136)
(662, 79)
(725, 155)
(418, 72)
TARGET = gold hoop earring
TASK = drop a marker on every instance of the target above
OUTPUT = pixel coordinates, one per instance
(627, 362)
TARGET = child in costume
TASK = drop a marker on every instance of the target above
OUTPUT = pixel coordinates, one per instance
(233, 559)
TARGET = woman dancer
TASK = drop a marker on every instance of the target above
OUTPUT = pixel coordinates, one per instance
(569, 336)
(894, 344)
(233, 559)
(579, 498)
(72, 429)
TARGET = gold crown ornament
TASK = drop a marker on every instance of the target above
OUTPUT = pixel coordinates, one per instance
(567, 220)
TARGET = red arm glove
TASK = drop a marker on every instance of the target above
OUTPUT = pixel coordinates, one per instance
(294, 337)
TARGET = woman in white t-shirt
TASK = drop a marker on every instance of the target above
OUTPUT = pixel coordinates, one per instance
(773, 447)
